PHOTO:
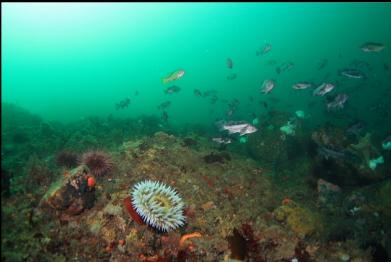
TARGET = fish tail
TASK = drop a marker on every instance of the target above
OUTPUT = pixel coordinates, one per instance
(165, 80)
(220, 126)
(220, 123)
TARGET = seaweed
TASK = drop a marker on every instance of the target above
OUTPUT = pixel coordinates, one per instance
(245, 244)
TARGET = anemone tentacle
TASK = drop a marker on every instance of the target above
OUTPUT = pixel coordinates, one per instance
(158, 205)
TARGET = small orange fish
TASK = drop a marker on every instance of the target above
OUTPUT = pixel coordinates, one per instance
(173, 76)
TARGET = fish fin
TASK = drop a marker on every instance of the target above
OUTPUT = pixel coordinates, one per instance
(165, 80)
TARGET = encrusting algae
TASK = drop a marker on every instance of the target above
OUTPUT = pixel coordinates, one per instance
(300, 220)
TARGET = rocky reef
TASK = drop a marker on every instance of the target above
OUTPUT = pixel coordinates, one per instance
(232, 212)
(282, 202)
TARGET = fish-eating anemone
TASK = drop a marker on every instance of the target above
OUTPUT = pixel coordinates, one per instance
(158, 205)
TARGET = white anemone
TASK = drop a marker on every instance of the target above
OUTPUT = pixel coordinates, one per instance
(158, 205)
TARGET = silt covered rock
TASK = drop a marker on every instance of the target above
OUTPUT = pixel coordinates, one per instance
(71, 194)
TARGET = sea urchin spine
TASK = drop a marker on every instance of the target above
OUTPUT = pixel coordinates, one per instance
(98, 162)
(67, 158)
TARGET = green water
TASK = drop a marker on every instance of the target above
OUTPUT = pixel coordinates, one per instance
(69, 61)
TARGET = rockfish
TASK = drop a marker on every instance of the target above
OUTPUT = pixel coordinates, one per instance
(241, 128)
(197, 92)
(328, 153)
(231, 76)
(372, 47)
(338, 102)
(173, 76)
(122, 104)
(164, 105)
(267, 86)
(221, 140)
(286, 66)
(265, 50)
(352, 73)
(355, 129)
(229, 63)
(323, 89)
(172, 89)
(302, 85)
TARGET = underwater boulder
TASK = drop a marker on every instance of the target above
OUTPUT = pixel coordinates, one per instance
(267, 147)
(39, 175)
(328, 193)
(300, 220)
(72, 194)
(274, 147)
(163, 138)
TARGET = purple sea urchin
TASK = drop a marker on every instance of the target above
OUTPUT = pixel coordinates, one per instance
(98, 162)
(158, 205)
(67, 158)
